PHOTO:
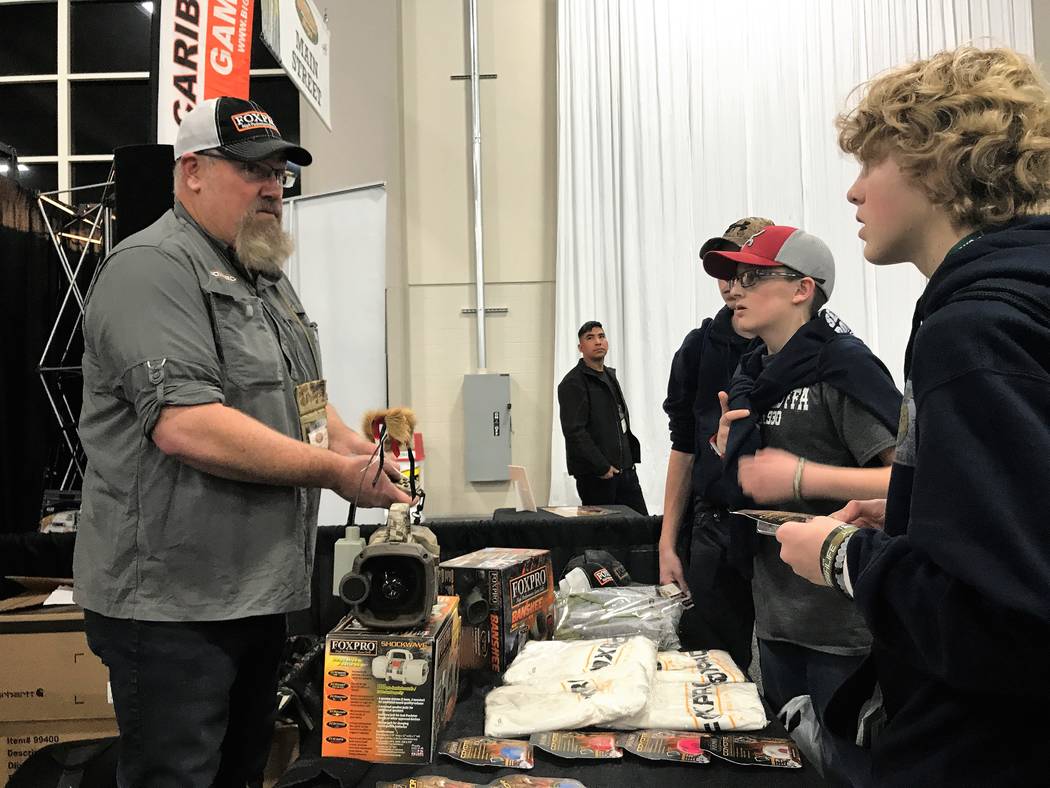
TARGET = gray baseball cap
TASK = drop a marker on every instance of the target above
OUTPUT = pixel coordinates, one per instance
(777, 245)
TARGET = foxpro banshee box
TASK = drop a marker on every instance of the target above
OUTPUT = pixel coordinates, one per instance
(506, 599)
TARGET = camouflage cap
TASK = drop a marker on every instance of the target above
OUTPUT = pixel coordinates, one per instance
(735, 235)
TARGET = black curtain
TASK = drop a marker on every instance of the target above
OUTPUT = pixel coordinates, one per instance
(32, 450)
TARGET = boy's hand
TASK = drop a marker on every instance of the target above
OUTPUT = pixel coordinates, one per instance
(671, 569)
(724, 423)
(866, 514)
(768, 476)
(800, 545)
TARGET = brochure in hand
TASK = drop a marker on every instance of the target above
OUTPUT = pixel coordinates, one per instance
(767, 521)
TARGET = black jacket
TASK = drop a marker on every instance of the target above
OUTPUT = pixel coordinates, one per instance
(956, 590)
(590, 421)
(702, 367)
(817, 352)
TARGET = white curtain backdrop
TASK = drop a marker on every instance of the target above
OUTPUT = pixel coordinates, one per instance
(677, 117)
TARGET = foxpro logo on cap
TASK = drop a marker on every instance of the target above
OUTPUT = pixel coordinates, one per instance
(240, 128)
(253, 119)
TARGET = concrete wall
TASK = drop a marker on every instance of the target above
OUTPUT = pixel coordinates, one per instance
(365, 144)
(399, 118)
(516, 42)
(1041, 33)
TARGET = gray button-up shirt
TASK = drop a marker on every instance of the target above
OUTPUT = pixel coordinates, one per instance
(174, 319)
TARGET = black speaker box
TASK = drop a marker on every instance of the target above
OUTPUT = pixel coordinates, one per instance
(144, 183)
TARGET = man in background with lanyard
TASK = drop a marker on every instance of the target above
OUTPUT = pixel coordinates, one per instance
(601, 451)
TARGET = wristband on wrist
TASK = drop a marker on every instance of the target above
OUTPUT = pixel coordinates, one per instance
(829, 549)
(796, 485)
(824, 551)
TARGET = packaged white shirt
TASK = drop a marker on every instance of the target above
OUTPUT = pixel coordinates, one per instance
(705, 667)
(521, 709)
(551, 660)
(556, 685)
(692, 705)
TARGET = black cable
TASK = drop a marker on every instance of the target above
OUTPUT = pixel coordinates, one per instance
(382, 457)
(352, 515)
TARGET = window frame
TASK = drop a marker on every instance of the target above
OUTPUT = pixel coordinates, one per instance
(63, 78)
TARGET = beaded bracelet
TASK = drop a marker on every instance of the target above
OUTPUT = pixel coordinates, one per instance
(839, 569)
(796, 485)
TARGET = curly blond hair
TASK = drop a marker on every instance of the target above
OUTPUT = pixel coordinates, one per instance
(970, 126)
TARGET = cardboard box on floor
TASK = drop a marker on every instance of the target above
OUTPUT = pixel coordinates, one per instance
(20, 739)
(52, 688)
(47, 671)
(387, 695)
(34, 592)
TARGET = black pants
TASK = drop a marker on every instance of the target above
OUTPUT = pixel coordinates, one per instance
(622, 489)
(723, 612)
(195, 701)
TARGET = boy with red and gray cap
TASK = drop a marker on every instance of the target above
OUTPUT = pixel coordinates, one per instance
(812, 389)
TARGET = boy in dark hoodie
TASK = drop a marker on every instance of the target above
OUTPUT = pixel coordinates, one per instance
(702, 367)
(952, 571)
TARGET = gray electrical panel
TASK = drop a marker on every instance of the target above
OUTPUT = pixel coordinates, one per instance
(486, 419)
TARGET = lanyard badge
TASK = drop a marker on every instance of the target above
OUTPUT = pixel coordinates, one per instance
(311, 400)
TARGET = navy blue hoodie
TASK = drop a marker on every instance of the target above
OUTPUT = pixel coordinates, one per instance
(702, 367)
(956, 591)
(818, 352)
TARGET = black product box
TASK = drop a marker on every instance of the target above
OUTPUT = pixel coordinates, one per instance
(506, 599)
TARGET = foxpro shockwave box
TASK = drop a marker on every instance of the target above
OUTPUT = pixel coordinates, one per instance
(387, 695)
(506, 599)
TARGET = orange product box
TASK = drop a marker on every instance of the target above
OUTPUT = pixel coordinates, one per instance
(387, 695)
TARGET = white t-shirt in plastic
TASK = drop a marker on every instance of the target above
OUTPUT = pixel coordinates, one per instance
(556, 685)
(705, 667)
(692, 705)
(550, 660)
(519, 709)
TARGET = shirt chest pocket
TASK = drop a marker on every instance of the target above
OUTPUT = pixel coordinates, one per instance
(250, 354)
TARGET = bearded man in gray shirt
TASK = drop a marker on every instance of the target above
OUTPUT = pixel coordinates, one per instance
(208, 435)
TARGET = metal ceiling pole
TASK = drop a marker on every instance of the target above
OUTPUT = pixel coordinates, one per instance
(475, 117)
